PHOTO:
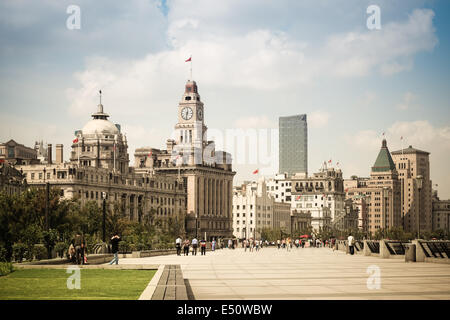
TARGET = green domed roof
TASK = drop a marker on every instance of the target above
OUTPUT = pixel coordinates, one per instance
(384, 160)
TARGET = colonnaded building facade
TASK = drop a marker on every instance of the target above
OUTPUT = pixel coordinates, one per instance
(206, 173)
(99, 165)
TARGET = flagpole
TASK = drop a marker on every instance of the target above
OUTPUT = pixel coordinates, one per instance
(191, 68)
(78, 151)
(114, 156)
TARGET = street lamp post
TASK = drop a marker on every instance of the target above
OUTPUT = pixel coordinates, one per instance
(47, 203)
(196, 225)
(419, 187)
(104, 216)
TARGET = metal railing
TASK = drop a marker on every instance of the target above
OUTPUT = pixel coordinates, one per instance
(374, 246)
(436, 248)
(396, 247)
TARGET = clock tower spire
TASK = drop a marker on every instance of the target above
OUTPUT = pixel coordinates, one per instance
(190, 129)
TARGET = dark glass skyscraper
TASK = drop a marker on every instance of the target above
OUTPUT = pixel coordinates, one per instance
(293, 144)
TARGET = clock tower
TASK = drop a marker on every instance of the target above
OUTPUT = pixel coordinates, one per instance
(191, 129)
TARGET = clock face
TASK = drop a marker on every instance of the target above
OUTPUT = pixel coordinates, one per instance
(186, 113)
(200, 114)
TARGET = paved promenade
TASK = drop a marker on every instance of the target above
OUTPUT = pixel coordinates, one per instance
(309, 273)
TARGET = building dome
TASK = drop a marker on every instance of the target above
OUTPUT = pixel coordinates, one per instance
(100, 126)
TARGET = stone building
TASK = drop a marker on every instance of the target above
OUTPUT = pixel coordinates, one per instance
(381, 193)
(301, 221)
(347, 219)
(99, 166)
(360, 204)
(410, 164)
(206, 173)
(12, 181)
(322, 195)
(441, 214)
(280, 188)
(17, 154)
(255, 209)
(282, 218)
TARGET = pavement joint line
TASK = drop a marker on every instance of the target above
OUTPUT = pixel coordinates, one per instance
(151, 287)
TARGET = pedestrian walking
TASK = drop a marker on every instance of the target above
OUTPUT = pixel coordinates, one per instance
(115, 248)
(178, 246)
(213, 245)
(78, 242)
(230, 243)
(186, 247)
(203, 247)
(72, 254)
(351, 244)
(278, 243)
(194, 246)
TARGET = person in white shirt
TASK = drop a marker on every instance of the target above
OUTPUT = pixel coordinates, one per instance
(178, 246)
(351, 244)
(194, 246)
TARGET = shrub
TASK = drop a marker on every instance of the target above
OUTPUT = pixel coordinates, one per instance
(3, 254)
(40, 252)
(60, 248)
(19, 250)
(141, 246)
(132, 247)
(123, 246)
(5, 268)
(29, 252)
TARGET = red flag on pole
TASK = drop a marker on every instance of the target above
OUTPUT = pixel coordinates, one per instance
(75, 140)
(256, 171)
(298, 197)
(190, 58)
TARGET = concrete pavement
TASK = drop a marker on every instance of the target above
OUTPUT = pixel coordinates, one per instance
(308, 273)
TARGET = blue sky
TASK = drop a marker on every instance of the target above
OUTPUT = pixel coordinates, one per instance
(253, 60)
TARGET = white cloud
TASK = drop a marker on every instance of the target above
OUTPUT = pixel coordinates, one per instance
(259, 59)
(408, 100)
(388, 50)
(318, 119)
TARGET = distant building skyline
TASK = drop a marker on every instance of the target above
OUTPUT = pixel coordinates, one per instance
(293, 144)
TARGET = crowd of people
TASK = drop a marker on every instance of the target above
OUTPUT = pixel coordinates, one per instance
(77, 252)
(192, 246)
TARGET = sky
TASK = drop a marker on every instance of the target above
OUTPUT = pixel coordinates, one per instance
(253, 61)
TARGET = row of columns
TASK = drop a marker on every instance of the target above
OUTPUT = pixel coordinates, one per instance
(217, 196)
